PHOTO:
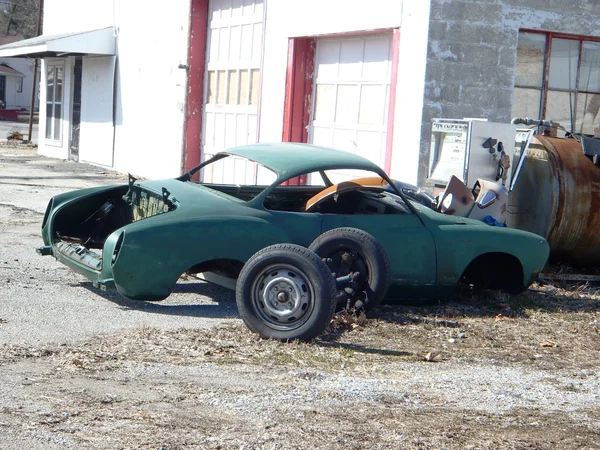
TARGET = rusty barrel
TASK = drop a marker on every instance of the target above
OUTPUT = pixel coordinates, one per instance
(557, 195)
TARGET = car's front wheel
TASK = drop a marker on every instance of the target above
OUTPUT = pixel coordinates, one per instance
(286, 292)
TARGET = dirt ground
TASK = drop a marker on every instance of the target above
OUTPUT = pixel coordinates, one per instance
(488, 372)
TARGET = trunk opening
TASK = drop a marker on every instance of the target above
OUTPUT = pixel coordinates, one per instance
(81, 228)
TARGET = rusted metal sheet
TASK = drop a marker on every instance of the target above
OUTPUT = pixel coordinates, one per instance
(557, 196)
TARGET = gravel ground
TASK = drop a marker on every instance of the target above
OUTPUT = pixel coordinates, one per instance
(85, 369)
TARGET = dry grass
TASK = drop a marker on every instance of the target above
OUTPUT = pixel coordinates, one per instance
(102, 402)
(551, 327)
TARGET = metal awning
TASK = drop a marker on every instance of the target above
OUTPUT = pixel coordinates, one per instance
(95, 42)
(7, 70)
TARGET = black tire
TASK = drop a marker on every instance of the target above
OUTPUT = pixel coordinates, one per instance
(372, 287)
(286, 292)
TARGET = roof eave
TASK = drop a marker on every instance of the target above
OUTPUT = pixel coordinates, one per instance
(95, 42)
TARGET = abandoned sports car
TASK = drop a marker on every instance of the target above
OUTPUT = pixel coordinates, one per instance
(310, 230)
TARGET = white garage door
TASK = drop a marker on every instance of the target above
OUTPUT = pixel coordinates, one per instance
(352, 88)
(232, 84)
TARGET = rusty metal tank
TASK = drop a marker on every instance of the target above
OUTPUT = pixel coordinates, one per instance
(557, 195)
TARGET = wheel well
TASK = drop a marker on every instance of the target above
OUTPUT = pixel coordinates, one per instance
(227, 267)
(495, 271)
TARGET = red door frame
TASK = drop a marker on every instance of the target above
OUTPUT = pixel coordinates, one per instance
(196, 66)
(298, 93)
(299, 86)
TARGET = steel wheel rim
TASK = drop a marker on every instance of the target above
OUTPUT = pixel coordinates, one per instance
(282, 297)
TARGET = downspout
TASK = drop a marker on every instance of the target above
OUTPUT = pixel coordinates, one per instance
(115, 80)
(35, 70)
(114, 99)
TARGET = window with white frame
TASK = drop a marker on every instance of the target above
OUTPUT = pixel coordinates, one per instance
(54, 100)
(558, 78)
(19, 84)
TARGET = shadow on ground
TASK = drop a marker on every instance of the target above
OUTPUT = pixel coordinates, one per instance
(539, 298)
(222, 306)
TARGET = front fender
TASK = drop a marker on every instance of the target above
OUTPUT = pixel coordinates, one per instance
(457, 246)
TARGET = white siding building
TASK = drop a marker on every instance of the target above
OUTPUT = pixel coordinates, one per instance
(155, 90)
(151, 91)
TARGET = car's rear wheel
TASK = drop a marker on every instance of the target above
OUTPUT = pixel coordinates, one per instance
(358, 262)
(286, 292)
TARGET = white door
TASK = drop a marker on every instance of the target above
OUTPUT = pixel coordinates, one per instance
(96, 131)
(351, 95)
(232, 85)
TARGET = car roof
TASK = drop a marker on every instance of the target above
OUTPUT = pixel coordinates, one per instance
(286, 158)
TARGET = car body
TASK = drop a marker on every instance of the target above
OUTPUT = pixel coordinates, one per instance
(142, 236)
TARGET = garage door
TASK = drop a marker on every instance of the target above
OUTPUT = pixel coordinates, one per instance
(232, 84)
(352, 89)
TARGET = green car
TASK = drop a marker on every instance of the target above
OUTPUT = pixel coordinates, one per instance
(312, 229)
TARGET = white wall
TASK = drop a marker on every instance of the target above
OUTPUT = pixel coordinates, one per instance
(151, 89)
(96, 131)
(16, 99)
(287, 19)
(410, 90)
(64, 16)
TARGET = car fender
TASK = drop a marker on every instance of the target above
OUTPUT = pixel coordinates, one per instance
(457, 246)
(157, 250)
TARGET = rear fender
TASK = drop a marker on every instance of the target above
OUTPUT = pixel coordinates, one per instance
(156, 251)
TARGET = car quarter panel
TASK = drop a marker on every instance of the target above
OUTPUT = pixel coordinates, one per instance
(156, 251)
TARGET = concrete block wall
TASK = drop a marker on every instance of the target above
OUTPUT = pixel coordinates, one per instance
(472, 54)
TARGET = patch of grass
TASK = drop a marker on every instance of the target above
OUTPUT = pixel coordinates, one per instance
(551, 329)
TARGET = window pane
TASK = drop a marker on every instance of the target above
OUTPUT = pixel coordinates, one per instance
(212, 86)
(254, 86)
(527, 103)
(588, 119)
(530, 59)
(244, 81)
(560, 108)
(59, 84)
(50, 84)
(221, 82)
(563, 64)
(589, 75)
(58, 92)
(48, 120)
(325, 103)
(372, 104)
(232, 88)
(57, 121)
(346, 111)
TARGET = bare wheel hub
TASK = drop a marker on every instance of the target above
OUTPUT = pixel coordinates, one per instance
(285, 295)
